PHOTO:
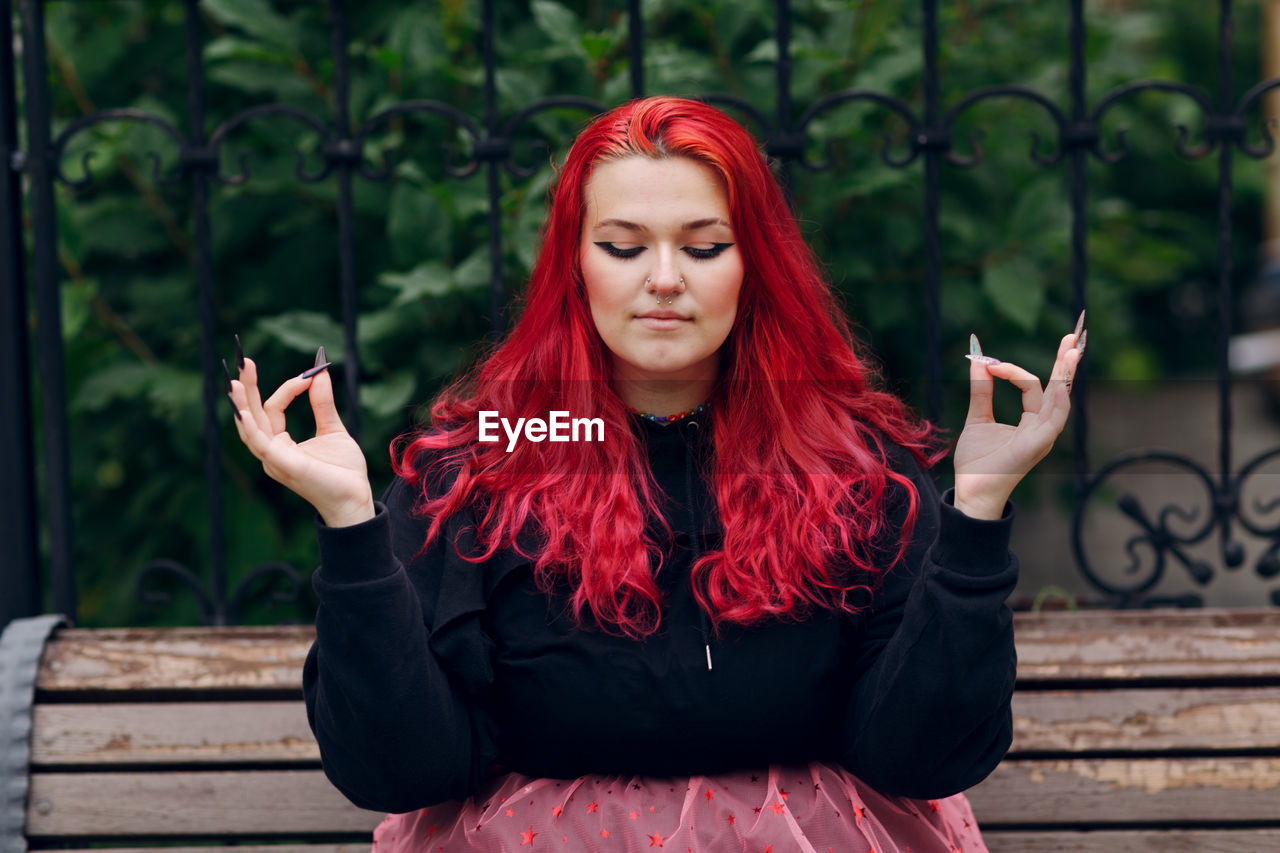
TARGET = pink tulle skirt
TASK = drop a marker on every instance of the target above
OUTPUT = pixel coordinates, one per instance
(815, 808)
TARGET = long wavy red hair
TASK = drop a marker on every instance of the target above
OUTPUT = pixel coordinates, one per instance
(799, 470)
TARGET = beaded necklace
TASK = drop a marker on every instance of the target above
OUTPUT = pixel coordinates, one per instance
(670, 419)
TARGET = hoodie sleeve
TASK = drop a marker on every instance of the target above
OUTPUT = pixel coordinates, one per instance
(934, 663)
(397, 719)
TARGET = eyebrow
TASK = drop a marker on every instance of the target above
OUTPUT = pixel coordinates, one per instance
(687, 226)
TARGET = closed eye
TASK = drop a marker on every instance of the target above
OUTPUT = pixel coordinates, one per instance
(613, 250)
(707, 254)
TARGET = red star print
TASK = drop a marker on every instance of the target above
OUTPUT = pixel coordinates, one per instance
(783, 793)
(527, 837)
(604, 833)
(933, 805)
(591, 807)
(966, 823)
(778, 808)
(510, 813)
(651, 808)
(634, 816)
(656, 840)
(768, 848)
(729, 818)
(555, 811)
(710, 796)
(858, 812)
(757, 809)
(432, 830)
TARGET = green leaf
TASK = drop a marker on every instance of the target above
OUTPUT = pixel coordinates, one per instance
(255, 79)
(417, 223)
(389, 397)
(77, 301)
(228, 47)
(1041, 207)
(304, 331)
(597, 45)
(1016, 289)
(171, 392)
(257, 18)
(474, 272)
(426, 279)
(557, 23)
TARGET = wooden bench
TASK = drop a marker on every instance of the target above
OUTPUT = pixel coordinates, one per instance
(1135, 731)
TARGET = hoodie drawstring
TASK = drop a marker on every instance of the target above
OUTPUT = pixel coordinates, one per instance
(695, 534)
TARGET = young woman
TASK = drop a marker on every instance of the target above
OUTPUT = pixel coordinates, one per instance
(731, 613)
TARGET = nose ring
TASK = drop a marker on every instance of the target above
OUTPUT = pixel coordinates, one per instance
(671, 297)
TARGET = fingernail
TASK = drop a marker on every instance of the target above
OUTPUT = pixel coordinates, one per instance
(1084, 336)
(239, 354)
(320, 359)
(1079, 327)
(975, 352)
(312, 371)
(234, 410)
(227, 374)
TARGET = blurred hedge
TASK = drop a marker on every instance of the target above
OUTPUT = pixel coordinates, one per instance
(126, 243)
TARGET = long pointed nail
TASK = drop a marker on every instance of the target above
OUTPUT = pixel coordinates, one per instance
(1084, 336)
(975, 352)
(1079, 331)
(226, 373)
(312, 371)
(234, 410)
(320, 359)
(239, 354)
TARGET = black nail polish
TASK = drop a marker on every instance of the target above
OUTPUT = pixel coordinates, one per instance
(239, 354)
(234, 410)
(312, 371)
(227, 373)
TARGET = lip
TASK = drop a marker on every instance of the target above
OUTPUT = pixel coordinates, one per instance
(662, 320)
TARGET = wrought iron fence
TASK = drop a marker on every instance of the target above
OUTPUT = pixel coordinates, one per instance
(932, 128)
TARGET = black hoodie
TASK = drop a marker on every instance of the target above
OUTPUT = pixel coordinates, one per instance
(429, 672)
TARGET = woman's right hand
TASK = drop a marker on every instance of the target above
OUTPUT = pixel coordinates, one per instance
(329, 470)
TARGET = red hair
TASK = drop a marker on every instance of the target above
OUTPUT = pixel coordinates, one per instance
(799, 471)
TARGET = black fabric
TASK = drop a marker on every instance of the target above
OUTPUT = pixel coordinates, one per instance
(429, 671)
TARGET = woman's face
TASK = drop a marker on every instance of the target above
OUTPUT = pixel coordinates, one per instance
(648, 225)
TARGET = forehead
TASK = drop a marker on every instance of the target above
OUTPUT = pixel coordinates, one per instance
(638, 189)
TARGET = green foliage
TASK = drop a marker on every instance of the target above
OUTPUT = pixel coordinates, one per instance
(127, 243)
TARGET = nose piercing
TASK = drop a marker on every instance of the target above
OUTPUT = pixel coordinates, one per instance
(671, 297)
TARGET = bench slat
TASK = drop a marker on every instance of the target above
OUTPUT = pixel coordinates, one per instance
(1231, 645)
(1210, 644)
(1089, 792)
(196, 659)
(102, 805)
(1144, 720)
(241, 732)
(1154, 841)
(172, 733)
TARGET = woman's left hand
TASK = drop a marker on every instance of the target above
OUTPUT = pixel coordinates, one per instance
(991, 458)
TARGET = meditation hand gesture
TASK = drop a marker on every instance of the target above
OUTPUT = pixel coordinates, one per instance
(329, 470)
(991, 458)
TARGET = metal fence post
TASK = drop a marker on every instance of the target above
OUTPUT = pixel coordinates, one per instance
(20, 571)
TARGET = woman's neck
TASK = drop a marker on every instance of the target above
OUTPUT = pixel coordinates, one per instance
(664, 397)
